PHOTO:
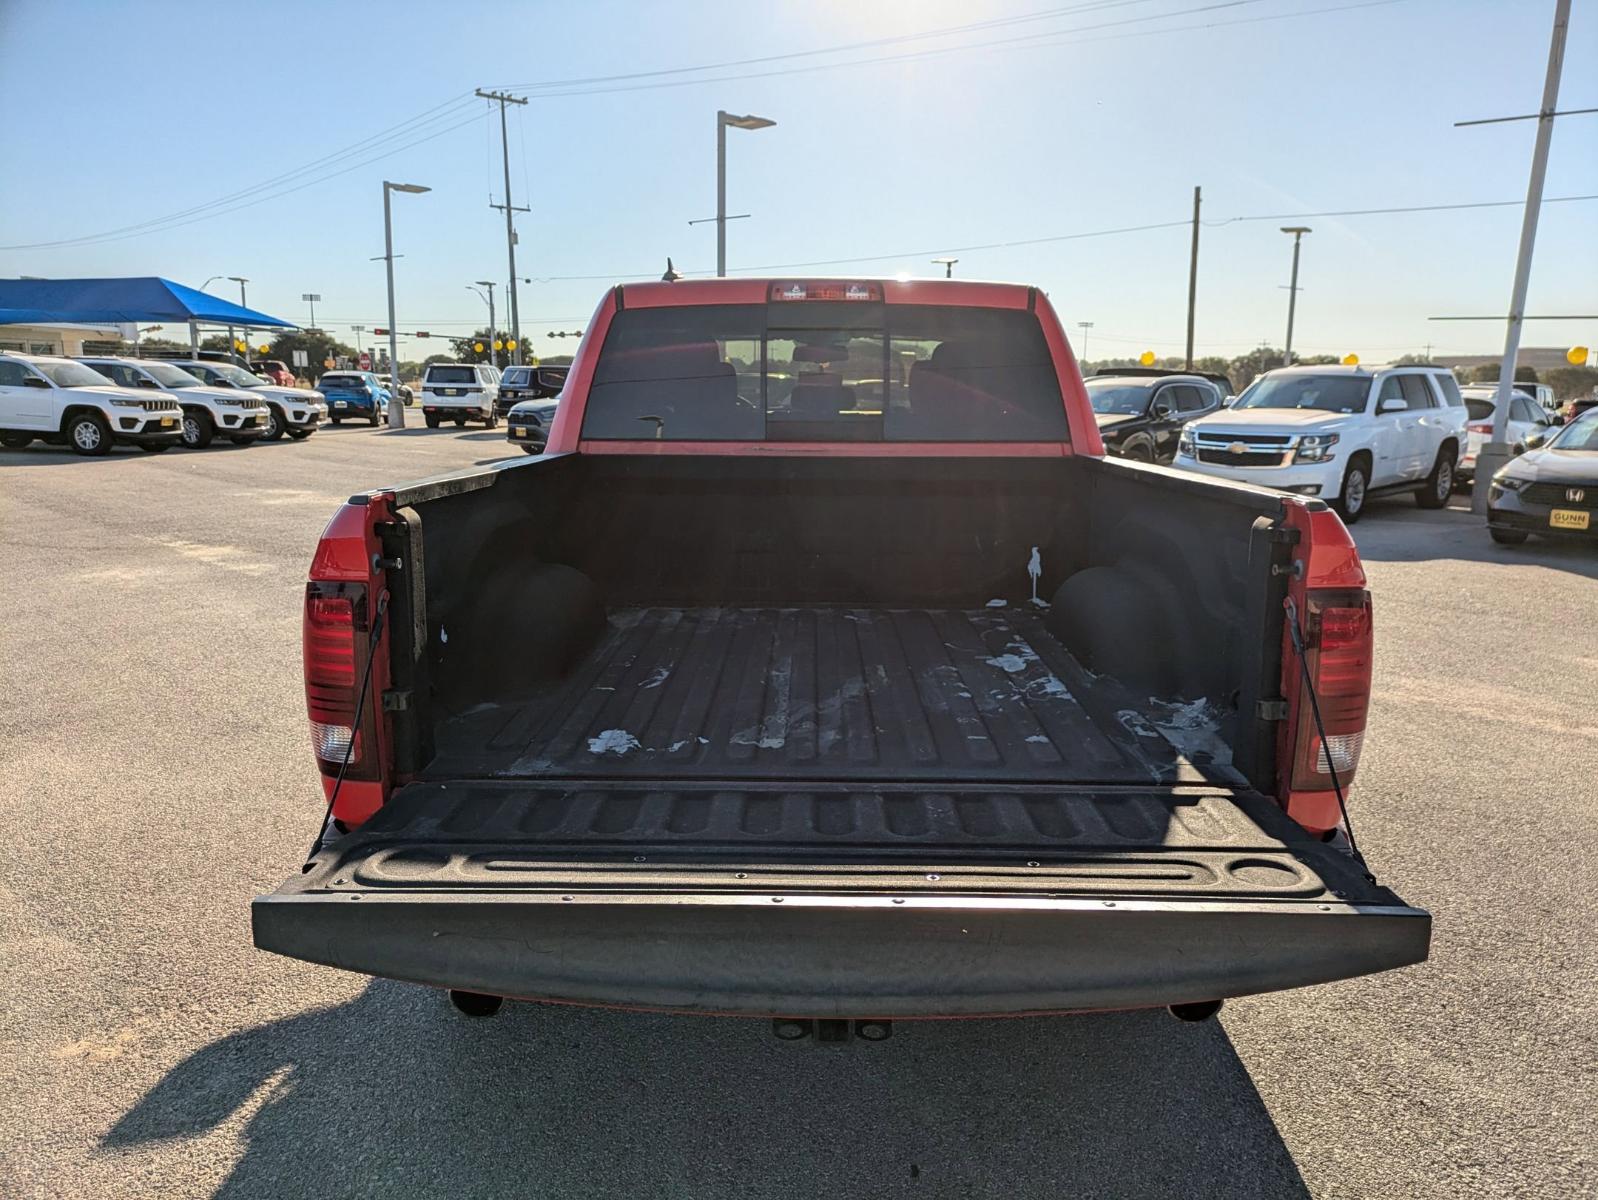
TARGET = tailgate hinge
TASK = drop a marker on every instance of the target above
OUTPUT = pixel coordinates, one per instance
(1271, 710)
(397, 700)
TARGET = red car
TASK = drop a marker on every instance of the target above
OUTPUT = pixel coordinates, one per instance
(274, 369)
(827, 671)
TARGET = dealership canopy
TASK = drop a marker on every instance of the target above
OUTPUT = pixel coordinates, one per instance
(118, 301)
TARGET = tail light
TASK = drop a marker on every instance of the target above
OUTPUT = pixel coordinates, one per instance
(1338, 646)
(335, 638)
(1480, 427)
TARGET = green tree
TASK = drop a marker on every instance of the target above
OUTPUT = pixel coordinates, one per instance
(1570, 382)
(1246, 367)
(466, 348)
(318, 347)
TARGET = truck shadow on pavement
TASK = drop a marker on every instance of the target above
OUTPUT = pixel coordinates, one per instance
(394, 1094)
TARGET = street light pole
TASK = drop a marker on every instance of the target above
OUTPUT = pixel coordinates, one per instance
(1084, 326)
(724, 119)
(493, 331)
(311, 298)
(1298, 232)
(396, 410)
(243, 303)
(1495, 453)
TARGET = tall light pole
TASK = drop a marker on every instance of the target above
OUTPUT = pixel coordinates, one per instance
(311, 298)
(724, 119)
(396, 410)
(243, 303)
(1298, 231)
(1084, 326)
(1495, 454)
(492, 331)
(357, 330)
(948, 266)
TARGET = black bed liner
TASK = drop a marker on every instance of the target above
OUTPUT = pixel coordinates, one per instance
(864, 694)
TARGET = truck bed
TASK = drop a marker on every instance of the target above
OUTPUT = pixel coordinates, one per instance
(822, 693)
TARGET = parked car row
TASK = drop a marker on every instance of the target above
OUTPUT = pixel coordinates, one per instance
(97, 402)
(1552, 489)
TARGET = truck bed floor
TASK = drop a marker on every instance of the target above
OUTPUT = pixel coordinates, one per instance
(821, 694)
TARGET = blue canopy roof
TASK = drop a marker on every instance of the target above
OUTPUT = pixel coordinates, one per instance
(113, 301)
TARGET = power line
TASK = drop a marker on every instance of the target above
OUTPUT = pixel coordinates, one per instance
(842, 48)
(429, 116)
(1414, 208)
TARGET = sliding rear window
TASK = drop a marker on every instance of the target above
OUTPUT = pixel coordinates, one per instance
(825, 371)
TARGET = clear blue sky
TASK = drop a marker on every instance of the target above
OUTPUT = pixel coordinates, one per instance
(114, 114)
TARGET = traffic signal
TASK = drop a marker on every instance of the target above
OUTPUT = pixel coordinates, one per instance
(422, 333)
(380, 332)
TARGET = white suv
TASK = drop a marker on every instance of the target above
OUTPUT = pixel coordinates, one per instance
(207, 411)
(67, 403)
(291, 410)
(460, 392)
(1340, 433)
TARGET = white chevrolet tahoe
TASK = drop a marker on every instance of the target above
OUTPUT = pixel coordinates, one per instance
(1341, 433)
(460, 392)
(66, 403)
(291, 410)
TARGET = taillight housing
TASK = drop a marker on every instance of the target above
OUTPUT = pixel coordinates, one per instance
(335, 648)
(1338, 650)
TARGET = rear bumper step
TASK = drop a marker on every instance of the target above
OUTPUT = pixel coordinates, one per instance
(806, 954)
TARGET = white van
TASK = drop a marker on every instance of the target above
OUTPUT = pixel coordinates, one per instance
(460, 392)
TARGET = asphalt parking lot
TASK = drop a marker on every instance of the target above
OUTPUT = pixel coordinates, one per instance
(156, 775)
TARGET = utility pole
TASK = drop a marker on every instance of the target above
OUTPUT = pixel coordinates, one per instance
(1192, 278)
(1493, 455)
(357, 330)
(1084, 326)
(311, 298)
(493, 332)
(510, 211)
(1298, 232)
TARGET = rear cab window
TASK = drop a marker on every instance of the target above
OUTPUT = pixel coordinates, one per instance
(825, 371)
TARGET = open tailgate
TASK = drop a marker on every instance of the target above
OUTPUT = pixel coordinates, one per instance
(840, 901)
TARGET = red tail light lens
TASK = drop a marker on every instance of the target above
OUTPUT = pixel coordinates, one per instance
(334, 646)
(1480, 427)
(1338, 651)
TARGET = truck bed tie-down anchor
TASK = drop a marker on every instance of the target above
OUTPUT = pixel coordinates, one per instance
(829, 1029)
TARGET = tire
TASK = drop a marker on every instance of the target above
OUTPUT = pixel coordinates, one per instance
(431, 419)
(336, 420)
(1507, 537)
(372, 420)
(1138, 453)
(243, 441)
(1356, 487)
(492, 422)
(460, 422)
(299, 435)
(88, 435)
(276, 427)
(198, 430)
(1440, 483)
(532, 449)
(16, 441)
(155, 447)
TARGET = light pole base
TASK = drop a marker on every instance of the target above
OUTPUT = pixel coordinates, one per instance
(396, 412)
(1490, 459)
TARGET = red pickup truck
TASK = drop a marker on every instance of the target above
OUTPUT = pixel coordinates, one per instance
(825, 668)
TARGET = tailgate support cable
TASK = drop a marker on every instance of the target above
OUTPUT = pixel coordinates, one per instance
(1296, 632)
(360, 712)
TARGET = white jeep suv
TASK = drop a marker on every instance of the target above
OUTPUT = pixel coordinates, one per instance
(1341, 433)
(66, 403)
(292, 410)
(207, 411)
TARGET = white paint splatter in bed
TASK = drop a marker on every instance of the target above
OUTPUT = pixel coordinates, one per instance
(1008, 662)
(613, 741)
(660, 675)
(997, 603)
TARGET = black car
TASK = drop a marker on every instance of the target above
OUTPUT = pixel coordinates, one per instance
(528, 383)
(1141, 417)
(1552, 489)
(527, 424)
